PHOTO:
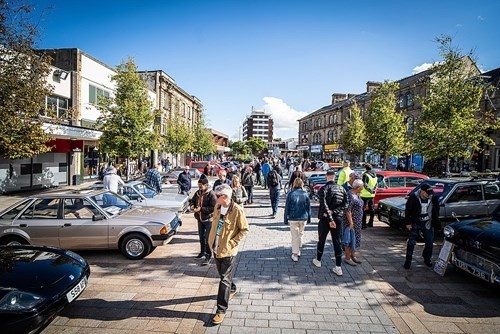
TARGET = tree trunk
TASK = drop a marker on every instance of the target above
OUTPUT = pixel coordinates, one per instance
(447, 164)
(127, 168)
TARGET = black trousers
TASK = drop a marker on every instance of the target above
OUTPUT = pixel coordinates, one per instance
(225, 267)
(412, 241)
(203, 232)
(371, 210)
(323, 230)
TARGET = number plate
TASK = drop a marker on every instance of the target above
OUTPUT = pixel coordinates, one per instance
(464, 266)
(383, 219)
(77, 290)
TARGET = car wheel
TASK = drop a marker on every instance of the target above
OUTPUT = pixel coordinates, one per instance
(135, 246)
(13, 241)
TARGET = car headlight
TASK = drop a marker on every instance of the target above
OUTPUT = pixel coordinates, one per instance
(448, 232)
(401, 213)
(19, 301)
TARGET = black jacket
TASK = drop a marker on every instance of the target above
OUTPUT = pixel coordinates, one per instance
(184, 181)
(207, 201)
(332, 201)
(413, 208)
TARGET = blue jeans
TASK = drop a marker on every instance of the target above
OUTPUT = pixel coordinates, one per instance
(265, 181)
(249, 190)
(274, 193)
(412, 241)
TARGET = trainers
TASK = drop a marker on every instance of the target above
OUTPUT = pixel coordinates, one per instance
(299, 254)
(199, 256)
(350, 262)
(233, 293)
(295, 258)
(207, 261)
(407, 265)
(337, 271)
(356, 260)
(317, 263)
(218, 318)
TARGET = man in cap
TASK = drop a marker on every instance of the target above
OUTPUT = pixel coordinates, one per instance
(422, 214)
(229, 228)
(203, 204)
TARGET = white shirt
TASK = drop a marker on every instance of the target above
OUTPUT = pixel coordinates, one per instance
(111, 182)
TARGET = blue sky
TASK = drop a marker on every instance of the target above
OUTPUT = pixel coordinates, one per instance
(286, 57)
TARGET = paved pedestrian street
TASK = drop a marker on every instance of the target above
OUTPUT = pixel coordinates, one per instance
(170, 292)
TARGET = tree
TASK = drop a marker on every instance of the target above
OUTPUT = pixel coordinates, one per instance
(23, 84)
(256, 145)
(178, 136)
(354, 138)
(450, 123)
(202, 141)
(385, 126)
(127, 119)
(239, 147)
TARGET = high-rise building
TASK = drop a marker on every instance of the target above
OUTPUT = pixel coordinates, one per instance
(258, 125)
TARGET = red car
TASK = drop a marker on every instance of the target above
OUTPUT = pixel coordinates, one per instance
(395, 183)
(200, 165)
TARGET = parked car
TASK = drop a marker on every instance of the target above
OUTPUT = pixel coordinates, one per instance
(394, 183)
(87, 219)
(477, 246)
(36, 283)
(464, 198)
(200, 165)
(169, 179)
(139, 193)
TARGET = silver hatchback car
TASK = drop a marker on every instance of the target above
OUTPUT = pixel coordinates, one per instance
(87, 219)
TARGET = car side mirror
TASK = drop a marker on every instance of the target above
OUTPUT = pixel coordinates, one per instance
(97, 217)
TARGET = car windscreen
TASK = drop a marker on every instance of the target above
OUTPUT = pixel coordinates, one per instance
(440, 188)
(112, 203)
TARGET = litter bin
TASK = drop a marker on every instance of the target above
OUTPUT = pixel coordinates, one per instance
(77, 180)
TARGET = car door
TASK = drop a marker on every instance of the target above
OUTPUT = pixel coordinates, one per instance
(391, 186)
(79, 230)
(492, 196)
(40, 221)
(466, 201)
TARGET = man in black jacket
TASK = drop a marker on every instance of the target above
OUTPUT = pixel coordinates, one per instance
(184, 182)
(422, 214)
(332, 205)
(203, 204)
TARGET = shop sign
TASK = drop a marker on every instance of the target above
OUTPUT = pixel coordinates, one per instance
(303, 148)
(316, 148)
(331, 147)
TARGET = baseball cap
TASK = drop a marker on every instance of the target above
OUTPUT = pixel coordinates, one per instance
(427, 188)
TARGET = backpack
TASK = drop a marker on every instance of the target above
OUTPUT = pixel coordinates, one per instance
(273, 179)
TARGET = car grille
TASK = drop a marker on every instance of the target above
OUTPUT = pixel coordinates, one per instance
(185, 207)
(478, 261)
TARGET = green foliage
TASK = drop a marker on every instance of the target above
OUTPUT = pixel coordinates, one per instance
(354, 138)
(239, 147)
(202, 143)
(23, 84)
(126, 120)
(178, 136)
(450, 122)
(256, 145)
(386, 129)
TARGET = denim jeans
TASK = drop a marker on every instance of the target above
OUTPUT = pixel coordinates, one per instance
(225, 267)
(412, 241)
(250, 193)
(323, 229)
(265, 181)
(203, 232)
(274, 193)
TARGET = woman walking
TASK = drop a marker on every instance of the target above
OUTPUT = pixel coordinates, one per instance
(352, 222)
(297, 214)
(239, 192)
(248, 183)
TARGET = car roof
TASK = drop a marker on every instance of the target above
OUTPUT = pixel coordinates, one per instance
(398, 173)
(70, 193)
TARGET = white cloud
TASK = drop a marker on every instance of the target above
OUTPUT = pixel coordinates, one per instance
(480, 18)
(421, 68)
(284, 117)
(459, 25)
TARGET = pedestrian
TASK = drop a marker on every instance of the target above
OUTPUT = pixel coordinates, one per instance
(229, 228)
(202, 204)
(257, 169)
(231, 171)
(266, 168)
(248, 182)
(368, 194)
(332, 205)
(421, 214)
(153, 178)
(274, 182)
(222, 179)
(184, 181)
(344, 173)
(111, 180)
(352, 177)
(240, 195)
(297, 214)
(296, 174)
(401, 167)
(206, 170)
(352, 223)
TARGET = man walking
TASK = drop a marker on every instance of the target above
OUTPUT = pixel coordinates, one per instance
(368, 194)
(344, 173)
(153, 178)
(184, 182)
(266, 168)
(257, 170)
(274, 182)
(111, 181)
(222, 179)
(229, 228)
(332, 206)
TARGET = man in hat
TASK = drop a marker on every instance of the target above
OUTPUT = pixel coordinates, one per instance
(422, 214)
(229, 228)
(202, 204)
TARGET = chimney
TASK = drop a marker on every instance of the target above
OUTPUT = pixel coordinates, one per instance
(337, 97)
(372, 86)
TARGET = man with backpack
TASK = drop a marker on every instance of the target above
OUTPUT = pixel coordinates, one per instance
(274, 183)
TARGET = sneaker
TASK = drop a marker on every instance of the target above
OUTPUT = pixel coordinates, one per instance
(207, 261)
(299, 254)
(356, 260)
(350, 262)
(233, 293)
(407, 265)
(317, 263)
(337, 271)
(218, 318)
(428, 263)
(199, 256)
(295, 258)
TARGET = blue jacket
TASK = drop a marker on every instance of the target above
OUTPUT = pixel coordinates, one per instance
(298, 206)
(266, 168)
